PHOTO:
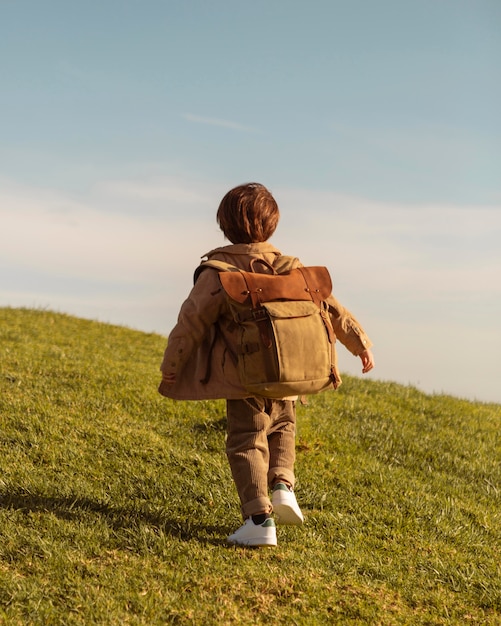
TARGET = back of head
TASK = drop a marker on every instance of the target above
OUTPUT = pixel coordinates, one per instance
(248, 214)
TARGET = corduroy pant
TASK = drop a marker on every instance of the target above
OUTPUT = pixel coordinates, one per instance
(260, 447)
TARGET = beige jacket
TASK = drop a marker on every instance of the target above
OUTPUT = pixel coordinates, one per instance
(190, 348)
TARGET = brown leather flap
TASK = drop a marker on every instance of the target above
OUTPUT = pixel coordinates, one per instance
(304, 283)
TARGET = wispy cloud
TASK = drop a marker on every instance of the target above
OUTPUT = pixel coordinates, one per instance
(164, 190)
(422, 279)
(87, 257)
(396, 248)
(55, 233)
(212, 121)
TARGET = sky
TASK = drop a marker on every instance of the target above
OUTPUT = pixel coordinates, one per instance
(375, 125)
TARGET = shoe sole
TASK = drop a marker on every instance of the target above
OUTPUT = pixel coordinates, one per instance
(286, 515)
(263, 542)
(250, 544)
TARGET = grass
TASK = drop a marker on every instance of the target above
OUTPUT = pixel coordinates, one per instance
(115, 502)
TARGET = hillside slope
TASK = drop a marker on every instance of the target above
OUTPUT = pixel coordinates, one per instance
(115, 502)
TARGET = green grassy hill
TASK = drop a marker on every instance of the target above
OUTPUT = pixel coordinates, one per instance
(115, 502)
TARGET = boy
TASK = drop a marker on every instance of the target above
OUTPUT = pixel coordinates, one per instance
(200, 363)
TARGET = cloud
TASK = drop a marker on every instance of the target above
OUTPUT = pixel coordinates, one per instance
(442, 252)
(87, 257)
(414, 249)
(55, 233)
(169, 192)
(211, 121)
(423, 279)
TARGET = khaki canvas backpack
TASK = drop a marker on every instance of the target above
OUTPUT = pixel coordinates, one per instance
(286, 344)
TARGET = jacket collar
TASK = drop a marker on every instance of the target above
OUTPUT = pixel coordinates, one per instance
(246, 249)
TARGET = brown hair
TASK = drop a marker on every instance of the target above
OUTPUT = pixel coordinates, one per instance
(248, 214)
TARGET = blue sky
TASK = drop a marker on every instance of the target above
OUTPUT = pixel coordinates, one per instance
(375, 124)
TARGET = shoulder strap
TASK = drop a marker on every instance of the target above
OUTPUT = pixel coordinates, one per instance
(282, 265)
(285, 263)
(220, 266)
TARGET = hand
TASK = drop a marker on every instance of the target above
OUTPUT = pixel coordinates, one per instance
(169, 379)
(367, 359)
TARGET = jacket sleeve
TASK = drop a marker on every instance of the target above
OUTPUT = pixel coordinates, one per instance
(197, 315)
(347, 329)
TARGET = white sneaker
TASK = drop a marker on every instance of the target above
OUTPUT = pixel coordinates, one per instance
(251, 534)
(285, 505)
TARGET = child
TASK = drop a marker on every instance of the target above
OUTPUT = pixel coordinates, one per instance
(199, 363)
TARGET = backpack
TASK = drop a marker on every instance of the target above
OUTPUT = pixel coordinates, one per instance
(286, 339)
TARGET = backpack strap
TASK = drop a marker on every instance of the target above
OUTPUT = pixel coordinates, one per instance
(256, 261)
(220, 266)
(281, 265)
(285, 264)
